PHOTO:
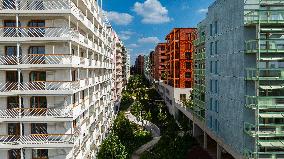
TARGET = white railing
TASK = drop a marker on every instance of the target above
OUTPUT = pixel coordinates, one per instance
(47, 59)
(35, 112)
(37, 32)
(37, 139)
(8, 86)
(8, 60)
(34, 4)
(50, 86)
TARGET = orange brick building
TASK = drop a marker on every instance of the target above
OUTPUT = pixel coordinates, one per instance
(160, 61)
(179, 51)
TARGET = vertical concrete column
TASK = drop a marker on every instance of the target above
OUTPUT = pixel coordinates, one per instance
(193, 129)
(219, 151)
(204, 140)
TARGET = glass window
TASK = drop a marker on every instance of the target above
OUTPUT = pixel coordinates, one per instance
(216, 27)
(188, 65)
(187, 84)
(216, 47)
(216, 67)
(210, 122)
(211, 104)
(211, 29)
(187, 75)
(216, 86)
(37, 50)
(211, 48)
(211, 85)
(211, 66)
(188, 55)
(216, 106)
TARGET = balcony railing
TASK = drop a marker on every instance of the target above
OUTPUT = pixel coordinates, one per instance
(265, 17)
(34, 5)
(265, 130)
(265, 74)
(262, 102)
(199, 41)
(50, 86)
(36, 139)
(37, 32)
(35, 112)
(266, 46)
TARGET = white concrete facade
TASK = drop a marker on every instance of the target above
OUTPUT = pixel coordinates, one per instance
(56, 78)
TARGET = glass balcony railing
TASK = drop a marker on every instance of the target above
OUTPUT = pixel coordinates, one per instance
(265, 17)
(265, 46)
(265, 74)
(265, 102)
(199, 56)
(199, 41)
(265, 130)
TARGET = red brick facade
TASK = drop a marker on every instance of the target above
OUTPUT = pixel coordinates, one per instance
(160, 60)
(179, 51)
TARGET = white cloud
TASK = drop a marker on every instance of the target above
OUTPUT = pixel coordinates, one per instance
(152, 12)
(125, 35)
(133, 45)
(203, 10)
(152, 40)
(119, 18)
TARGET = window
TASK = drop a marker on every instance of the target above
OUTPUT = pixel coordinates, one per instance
(188, 55)
(216, 106)
(211, 104)
(211, 29)
(188, 65)
(163, 48)
(40, 154)
(82, 94)
(211, 66)
(37, 50)
(176, 83)
(216, 47)
(189, 36)
(187, 75)
(211, 85)
(37, 76)
(187, 84)
(216, 27)
(216, 67)
(210, 122)
(182, 97)
(211, 48)
(216, 86)
(216, 125)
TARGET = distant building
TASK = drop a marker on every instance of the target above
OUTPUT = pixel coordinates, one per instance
(139, 65)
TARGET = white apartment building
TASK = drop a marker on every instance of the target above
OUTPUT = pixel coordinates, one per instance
(122, 70)
(56, 68)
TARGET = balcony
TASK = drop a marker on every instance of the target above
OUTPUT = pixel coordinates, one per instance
(199, 56)
(265, 130)
(265, 17)
(199, 41)
(265, 46)
(47, 141)
(39, 87)
(265, 74)
(35, 115)
(262, 102)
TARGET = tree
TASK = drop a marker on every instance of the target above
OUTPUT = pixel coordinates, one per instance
(112, 148)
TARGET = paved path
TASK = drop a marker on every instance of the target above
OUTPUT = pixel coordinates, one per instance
(155, 131)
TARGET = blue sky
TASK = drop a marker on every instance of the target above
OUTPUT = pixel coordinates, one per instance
(143, 23)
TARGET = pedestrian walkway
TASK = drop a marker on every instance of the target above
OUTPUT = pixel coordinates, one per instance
(155, 131)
